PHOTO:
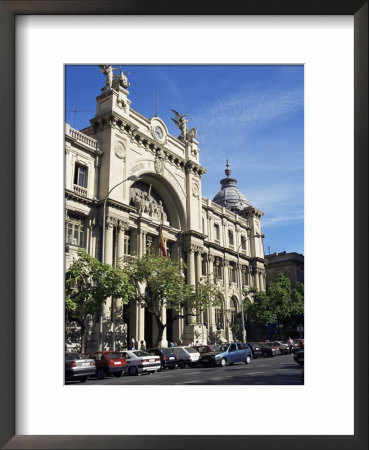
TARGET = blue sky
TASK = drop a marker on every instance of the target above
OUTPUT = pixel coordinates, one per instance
(252, 115)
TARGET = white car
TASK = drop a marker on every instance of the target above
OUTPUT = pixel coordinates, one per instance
(139, 361)
(187, 356)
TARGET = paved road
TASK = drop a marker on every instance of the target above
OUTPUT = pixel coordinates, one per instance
(280, 370)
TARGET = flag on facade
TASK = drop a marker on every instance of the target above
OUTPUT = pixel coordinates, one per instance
(161, 242)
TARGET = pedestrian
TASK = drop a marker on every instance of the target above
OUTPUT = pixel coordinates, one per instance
(133, 344)
(125, 345)
(142, 346)
(290, 344)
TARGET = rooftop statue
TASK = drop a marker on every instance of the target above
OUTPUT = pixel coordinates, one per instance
(108, 70)
(180, 122)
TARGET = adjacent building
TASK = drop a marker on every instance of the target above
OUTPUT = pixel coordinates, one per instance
(289, 264)
(210, 236)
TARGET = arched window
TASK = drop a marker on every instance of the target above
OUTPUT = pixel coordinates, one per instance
(219, 317)
(232, 310)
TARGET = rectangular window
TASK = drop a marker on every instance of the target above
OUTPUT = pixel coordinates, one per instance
(80, 175)
(75, 233)
(203, 266)
(243, 242)
(217, 271)
(127, 249)
(219, 318)
(230, 238)
(216, 232)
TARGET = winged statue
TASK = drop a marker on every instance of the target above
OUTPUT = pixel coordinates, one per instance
(180, 122)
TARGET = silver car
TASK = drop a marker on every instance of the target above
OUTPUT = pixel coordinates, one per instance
(78, 367)
(139, 361)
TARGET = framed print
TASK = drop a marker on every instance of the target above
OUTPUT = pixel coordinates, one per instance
(330, 40)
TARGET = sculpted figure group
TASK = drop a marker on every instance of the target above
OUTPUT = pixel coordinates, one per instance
(145, 203)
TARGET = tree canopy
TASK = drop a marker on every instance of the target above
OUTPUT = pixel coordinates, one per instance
(280, 304)
(88, 284)
(159, 282)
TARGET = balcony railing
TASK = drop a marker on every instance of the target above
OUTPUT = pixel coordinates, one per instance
(79, 190)
(81, 137)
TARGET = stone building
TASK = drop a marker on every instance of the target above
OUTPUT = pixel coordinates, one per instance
(209, 236)
(289, 264)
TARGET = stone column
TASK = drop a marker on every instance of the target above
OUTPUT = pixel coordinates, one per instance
(198, 267)
(191, 274)
(121, 232)
(164, 340)
(108, 257)
(191, 271)
(257, 285)
(140, 332)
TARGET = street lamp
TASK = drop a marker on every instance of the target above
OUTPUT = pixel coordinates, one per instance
(240, 286)
(130, 178)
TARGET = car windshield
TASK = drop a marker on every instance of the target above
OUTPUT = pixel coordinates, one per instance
(190, 350)
(112, 355)
(75, 356)
(220, 348)
(141, 353)
(166, 351)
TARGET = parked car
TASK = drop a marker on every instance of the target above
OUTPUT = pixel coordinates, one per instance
(283, 347)
(187, 356)
(108, 363)
(271, 345)
(267, 351)
(78, 367)
(299, 357)
(298, 344)
(139, 361)
(207, 355)
(255, 349)
(167, 358)
(231, 353)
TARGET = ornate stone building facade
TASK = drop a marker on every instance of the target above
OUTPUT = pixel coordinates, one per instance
(219, 240)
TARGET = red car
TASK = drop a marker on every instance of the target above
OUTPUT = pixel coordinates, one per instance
(108, 363)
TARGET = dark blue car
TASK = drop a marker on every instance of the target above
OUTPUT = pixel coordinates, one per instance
(167, 358)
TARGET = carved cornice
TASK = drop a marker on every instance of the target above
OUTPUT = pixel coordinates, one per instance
(195, 234)
(85, 200)
(114, 120)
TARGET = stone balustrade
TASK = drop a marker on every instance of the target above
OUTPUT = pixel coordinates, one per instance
(80, 137)
(79, 190)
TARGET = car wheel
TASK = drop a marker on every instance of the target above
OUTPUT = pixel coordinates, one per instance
(100, 373)
(248, 359)
(118, 374)
(181, 364)
(223, 362)
(83, 379)
(133, 370)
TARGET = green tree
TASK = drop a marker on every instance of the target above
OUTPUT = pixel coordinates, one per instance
(280, 304)
(88, 284)
(297, 304)
(159, 283)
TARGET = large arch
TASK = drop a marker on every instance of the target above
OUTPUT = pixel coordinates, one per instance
(169, 196)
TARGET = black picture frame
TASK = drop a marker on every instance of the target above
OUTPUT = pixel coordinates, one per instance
(8, 10)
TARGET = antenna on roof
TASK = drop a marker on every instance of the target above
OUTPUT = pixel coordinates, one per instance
(76, 110)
